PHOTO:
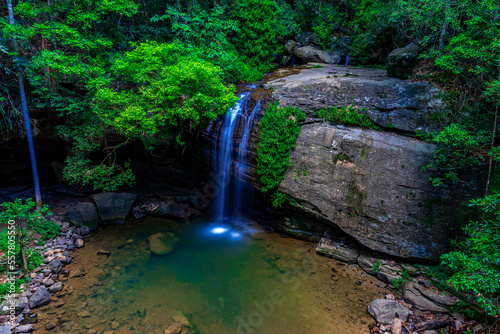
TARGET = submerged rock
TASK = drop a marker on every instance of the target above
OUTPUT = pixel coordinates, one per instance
(83, 214)
(162, 243)
(385, 311)
(175, 328)
(113, 207)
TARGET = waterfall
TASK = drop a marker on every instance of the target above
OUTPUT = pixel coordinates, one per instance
(242, 160)
(230, 157)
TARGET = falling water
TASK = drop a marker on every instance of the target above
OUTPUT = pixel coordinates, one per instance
(224, 154)
(241, 163)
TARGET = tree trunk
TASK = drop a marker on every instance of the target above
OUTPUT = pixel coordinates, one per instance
(27, 124)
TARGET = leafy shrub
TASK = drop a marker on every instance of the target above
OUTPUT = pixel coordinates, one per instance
(349, 116)
(473, 267)
(456, 149)
(279, 129)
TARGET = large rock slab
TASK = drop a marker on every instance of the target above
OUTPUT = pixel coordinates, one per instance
(84, 214)
(389, 102)
(113, 207)
(413, 296)
(370, 185)
(384, 311)
(315, 54)
(337, 250)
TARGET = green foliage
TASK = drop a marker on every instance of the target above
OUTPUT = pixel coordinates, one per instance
(349, 116)
(261, 22)
(279, 129)
(473, 267)
(456, 149)
(376, 266)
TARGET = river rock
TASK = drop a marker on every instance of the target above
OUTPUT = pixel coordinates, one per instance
(366, 263)
(39, 298)
(414, 297)
(56, 287)
(113, 207)
(79, 243)
(389, 102)
(371, 185)
(83, 214)
(24, 329)
(401, 61)
(314, 54)
(5, 330)
(162, 243)
(175, 328)
(337, 250)
(388, 273)
(55, 265)
(384, 311)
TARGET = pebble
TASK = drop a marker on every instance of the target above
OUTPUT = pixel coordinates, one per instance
(115, 325)
(50, 326)
(91, 331)
(83, 314)
(79, 243)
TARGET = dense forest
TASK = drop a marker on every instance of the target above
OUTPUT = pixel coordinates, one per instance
(158, 70)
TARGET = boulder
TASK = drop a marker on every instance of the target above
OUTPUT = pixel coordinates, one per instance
(389, 102)
(5, 329)
(113, 207)
(337, 250)
(387, 273)
(177, 211)
(401, 61)
(83, 214)
(370, 184)
(414, 297)
(439, 297)
(306, 37)
(162, 243)
(24, 329)
(39, 298)
(384, 311)
(310, 54)
(290, 47)
(175, 328)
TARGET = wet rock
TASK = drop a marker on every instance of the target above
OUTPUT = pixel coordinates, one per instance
(79, 243)
(25, 328)
(388, 273)
(175, 328)
(401, 61)
(113, 207)
(55, 265)
(178, 316)
(366, 263)
(84, 230)
(439, 297)
(414, 297)
(384, 311)
(115, 325)
(83, 214)
(300, 229)
(50, 326)
(56, 287)
(337, 250)
(181, 212)
(77, 272)
(39, 298)
(314, 54)
(48, 282)
(396, 326)
(5, 330)
(162, 243)
(83, 314)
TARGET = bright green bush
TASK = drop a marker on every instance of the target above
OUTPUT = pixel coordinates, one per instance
(279, 129)
(349, 116)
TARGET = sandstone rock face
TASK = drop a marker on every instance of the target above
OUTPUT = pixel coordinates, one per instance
(401, 61)
(315, 54)
(337, 250)
(389, 102)
(370, 185)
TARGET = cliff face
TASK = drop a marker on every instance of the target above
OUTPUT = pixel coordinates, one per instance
(370, 185)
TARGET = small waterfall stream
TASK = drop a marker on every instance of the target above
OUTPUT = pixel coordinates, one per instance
(230, 157)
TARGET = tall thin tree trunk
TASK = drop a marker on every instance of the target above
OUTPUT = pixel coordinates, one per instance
(27, 124)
